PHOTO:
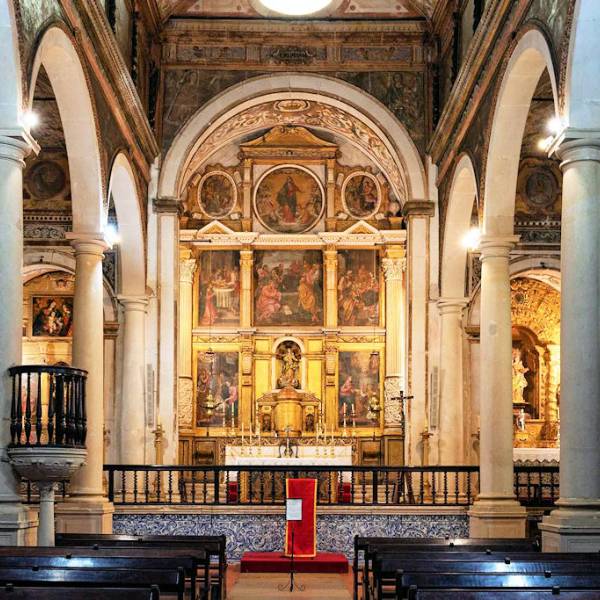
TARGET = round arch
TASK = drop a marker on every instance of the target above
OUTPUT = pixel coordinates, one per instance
(124, 193)
(11, 96)
(335, 93)
(463, 193)
(525, 67)
(57, 54)
(581, 89)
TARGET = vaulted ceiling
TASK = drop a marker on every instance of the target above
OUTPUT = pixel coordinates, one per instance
(345, 9)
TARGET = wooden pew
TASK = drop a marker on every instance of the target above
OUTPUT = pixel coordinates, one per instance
(409, 584)
(362, 543)
(214, 545)
(453, 547)
(504, 594)
(12, 592)
(168, 582)
(386, 565)
(194, 561)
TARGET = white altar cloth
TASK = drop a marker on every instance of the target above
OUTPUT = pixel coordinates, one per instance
(307, 456)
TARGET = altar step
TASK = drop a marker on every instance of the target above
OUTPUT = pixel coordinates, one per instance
(276, 562)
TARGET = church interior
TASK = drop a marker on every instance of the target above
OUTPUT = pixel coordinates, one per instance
(299, 287)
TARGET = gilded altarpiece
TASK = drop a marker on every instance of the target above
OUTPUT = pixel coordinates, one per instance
(281, 320)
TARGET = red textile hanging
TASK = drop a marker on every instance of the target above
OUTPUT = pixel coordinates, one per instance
(305, 531)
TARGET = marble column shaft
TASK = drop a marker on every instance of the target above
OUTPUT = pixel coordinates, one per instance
(451, 403)
(496, 444)
(132, 422)
(187, 268)
(88, 354)
(580, 328)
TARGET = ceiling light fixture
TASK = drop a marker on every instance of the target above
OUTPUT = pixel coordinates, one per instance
(111, 234)
(472, 238)
(554, 125)
(30, 119)
(296, 8)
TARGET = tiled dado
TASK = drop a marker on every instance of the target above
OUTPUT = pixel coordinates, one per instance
(264, 532)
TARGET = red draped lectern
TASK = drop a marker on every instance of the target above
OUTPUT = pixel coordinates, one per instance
(305, 531)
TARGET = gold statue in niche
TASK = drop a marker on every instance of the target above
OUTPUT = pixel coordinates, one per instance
(519, 381)
(288, 357)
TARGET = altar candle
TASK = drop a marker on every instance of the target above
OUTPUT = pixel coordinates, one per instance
(353, 411)
(344, 409)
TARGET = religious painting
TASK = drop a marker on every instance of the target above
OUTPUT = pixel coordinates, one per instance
(358, 389)
(52, 316)
(289, 200)
(361, 195)
(219, 288)
(288, 287)
(217, 194)
(217, 389)
(358, 287)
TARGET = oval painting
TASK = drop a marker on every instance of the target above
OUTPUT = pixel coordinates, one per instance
(217, 194)
(289, 200)
(361, 195)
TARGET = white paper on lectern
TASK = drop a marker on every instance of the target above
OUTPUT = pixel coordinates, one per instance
(293, 509)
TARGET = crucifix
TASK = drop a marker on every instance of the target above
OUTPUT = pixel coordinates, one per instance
(287, 441)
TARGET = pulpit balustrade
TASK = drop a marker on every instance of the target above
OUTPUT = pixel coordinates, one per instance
(48, 406)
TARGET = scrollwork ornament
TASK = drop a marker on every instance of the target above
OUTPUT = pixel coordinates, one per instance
(393, 268)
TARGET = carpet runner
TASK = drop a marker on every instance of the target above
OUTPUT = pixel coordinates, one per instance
(277, 562)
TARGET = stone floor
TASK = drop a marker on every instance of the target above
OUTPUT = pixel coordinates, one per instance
(248, 586)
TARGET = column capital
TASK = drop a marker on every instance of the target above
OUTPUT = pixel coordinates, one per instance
(497, 246)
(393, 268)
(15, 149)
(447, 305)
(578, 149)
(88, 243)
(167, 205)
(418, 208)
(187, 268)
(133, 303)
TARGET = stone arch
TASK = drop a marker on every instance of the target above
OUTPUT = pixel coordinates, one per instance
(11, 94)
(58, 55)
(328, 90)
(463, 193)
(526, 64)
(581, 85)
(123, 190)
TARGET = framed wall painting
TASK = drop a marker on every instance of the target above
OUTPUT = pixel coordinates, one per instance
(358, 383)
(217, 389)
(361, 195)
(289, 199)
(52, 316)
(288, 287)
(358, 288)
(217, 194)
(219, 286)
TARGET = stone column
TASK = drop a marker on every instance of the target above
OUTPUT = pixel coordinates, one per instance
(331, 280)
(187, 268)
(87, 509)
(496, 513)
(575, 526)
(451, 409)
(417, 214)
(131, 421)
(17, 525)
(167, 210)
(394, 266)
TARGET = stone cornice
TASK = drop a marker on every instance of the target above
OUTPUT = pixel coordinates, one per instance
(176, 27)
(418, 208)
(101, 50)
(474, 78)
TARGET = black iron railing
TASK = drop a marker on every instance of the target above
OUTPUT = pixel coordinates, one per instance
(537, 486)
(48, 406)
(265, 485)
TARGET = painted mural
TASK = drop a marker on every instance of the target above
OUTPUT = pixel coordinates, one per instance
(217, 195)
(358, 387)
(289, 200)
(219, 288)
(361, 195)
(288, 287)
(358, 287)
(52, 316)
(217, 389)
